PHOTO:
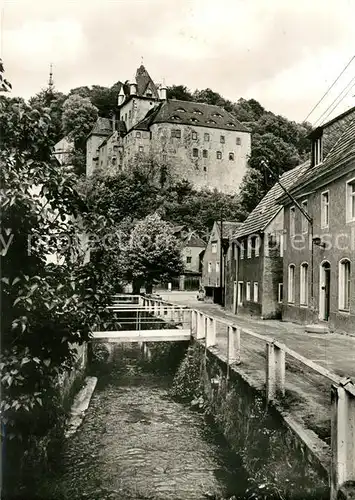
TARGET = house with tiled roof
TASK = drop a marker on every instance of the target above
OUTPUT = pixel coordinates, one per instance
(319, 255)
(199, 142)
(256, 287)
(215, 260)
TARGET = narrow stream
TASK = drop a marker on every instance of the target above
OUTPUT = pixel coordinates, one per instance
(138, 443)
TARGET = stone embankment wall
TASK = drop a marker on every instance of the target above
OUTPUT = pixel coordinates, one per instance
(273, 449)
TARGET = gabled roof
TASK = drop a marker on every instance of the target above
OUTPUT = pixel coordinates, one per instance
(194, 241)
(191, 113)
(103, 126)
(145, 83)
(342, 152)
(266, 210)
(229, 228)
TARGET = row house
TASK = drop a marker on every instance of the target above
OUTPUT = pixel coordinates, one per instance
(319, 256)
(215, 260)
(257, 286)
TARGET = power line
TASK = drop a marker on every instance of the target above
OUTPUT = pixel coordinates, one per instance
(340, 96)
(352, 86)
(329, 89)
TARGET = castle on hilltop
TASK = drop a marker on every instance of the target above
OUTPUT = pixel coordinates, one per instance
(199, 142)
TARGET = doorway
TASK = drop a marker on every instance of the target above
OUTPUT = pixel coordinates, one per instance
(324, 295)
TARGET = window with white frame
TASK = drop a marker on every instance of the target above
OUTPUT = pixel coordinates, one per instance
(256, 291)
(304, 284)
(291, 283)
(350, 200)
(194, 135)
(344, 285)
(325, 209)
(249, 247)
(292, 221)
(280, 293)
(304, 220)
(214, 247)
(242, 250)
(240, 293)
(257, 246)
(318, 151)
(210, 267)
(248, 291)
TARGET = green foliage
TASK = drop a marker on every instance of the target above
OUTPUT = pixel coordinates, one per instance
(51, 102)
(79, 116)
(46, 307)
(152, 253)
(187, 384)
(179, 92)
(103, 98)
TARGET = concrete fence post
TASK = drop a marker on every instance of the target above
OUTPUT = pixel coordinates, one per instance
(275, 371)
(233, 345)
(194, 321)
(201, 327)
(342, 436)
(210, 331)
(156, 308)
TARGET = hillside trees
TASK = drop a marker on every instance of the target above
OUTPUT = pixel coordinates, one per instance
(151, 255)
(46, 307)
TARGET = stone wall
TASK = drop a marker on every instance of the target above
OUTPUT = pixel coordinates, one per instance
(273, 447)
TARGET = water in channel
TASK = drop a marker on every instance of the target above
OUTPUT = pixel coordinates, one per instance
(136, 442)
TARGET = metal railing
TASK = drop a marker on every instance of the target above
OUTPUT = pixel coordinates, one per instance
(342, 392)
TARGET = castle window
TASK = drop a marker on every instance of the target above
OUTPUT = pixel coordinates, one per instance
(194, 136)
(195, 120)
(205, 153)
(238, 141)
(205, 168)
(115, 148)
(114, 161)
(141, 149)
(195, 152)
(223, 139)
(218, 115)
(207, 137)
(176, 133)
(219, 155)
(125, 117)
(138, 135)
(231, 156)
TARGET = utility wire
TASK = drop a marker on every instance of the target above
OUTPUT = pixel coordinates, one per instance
(331, 108)
(329, 89)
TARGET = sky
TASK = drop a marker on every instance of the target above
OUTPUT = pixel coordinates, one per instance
(283, 53)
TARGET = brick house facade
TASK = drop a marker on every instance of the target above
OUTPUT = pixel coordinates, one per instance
(319, 258)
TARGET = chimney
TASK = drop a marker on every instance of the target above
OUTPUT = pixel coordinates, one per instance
(133, 88)
(163, 95)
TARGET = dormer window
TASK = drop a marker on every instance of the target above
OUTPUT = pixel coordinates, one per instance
(197, 111)
(175, 117)
(181, 110)
(149, 94)
(318, 151)
(218, 115)
(230, 124)
(211, 121)
(195, 120)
